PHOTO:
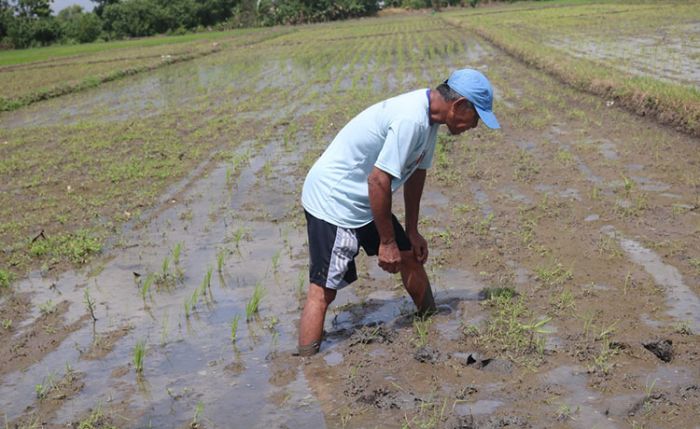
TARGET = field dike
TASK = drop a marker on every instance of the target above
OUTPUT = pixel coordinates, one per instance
(668, 104)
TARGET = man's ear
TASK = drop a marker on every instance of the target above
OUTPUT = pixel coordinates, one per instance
(461, 103)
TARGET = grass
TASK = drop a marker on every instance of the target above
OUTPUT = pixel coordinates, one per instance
(253, 305)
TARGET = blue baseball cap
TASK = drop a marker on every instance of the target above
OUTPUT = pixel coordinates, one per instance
(474, 86)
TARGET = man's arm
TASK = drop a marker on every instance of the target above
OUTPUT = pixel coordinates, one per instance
(412, 192)
(379, 186)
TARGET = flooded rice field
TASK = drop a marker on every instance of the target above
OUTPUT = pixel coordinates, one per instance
(565, 255)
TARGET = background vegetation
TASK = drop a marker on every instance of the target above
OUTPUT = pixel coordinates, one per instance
(29, 23)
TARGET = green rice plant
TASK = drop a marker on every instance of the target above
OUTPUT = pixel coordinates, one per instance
(177, 250)
(45, 387)
(234, 328)
(628, 184)
(164, 330)
(220, 261)
(563, 301)
(421, 325)
(198, 410)
(138, 354)
(165, 268)
(188, 307)
(301, 283)
(253, 305)
(507, 330)
(6, 324)
(276, 259)
(146, 286)
(47, 308)
(553, 275)
(89, 304)
(5, 279)
(206, 283)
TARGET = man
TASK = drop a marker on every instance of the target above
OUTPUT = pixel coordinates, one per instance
(348, 191)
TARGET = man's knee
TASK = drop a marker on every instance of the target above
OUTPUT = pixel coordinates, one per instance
(321, 295)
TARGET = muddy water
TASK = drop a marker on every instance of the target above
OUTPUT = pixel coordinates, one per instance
(669, 53)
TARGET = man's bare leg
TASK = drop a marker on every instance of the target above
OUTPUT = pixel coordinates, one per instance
(312, 318)
(416, 282)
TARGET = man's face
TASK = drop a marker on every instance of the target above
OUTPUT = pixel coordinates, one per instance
(461, 117)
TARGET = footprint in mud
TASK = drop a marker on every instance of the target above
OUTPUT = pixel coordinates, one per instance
(662, 349)
(476, 361)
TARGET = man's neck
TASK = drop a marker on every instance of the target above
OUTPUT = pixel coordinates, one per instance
(437, 109)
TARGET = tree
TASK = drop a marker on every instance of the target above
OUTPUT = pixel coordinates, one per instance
(101, 4)
(78, 26)
(33, 8)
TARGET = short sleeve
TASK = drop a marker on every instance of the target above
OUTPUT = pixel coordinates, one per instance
(400, 140)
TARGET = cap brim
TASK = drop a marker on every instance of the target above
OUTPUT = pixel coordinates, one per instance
(488, 118)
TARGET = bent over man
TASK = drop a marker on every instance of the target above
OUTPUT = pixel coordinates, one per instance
(348, 192)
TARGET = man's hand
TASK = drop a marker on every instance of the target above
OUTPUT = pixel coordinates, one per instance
(389, 257)
(419, 246)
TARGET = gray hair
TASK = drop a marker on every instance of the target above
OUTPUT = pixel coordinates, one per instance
(449, 94)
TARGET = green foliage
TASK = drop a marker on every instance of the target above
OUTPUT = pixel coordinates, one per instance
(79, 26)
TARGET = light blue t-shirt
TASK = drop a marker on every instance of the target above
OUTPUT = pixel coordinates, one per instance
(395, 135)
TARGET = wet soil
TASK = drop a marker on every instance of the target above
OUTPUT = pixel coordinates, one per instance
(583, 210)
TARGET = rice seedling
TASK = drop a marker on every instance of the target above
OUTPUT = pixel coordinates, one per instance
(48, 307)
(220, 261)
(89, 304)
(421, 326)
(553, 275)
(138, 354)
(165, 268)
(188, 307)
(164, 326)
(177, 250)
(146, 286)
(6, 324)
(253, 305)
(301, 283)
(276, 260)
(198, 410)
(5, 279)
(234, 328)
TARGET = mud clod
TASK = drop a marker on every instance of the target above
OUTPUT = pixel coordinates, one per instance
(662, 349)
(427, 354)
(465, 391)
(381, 398)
